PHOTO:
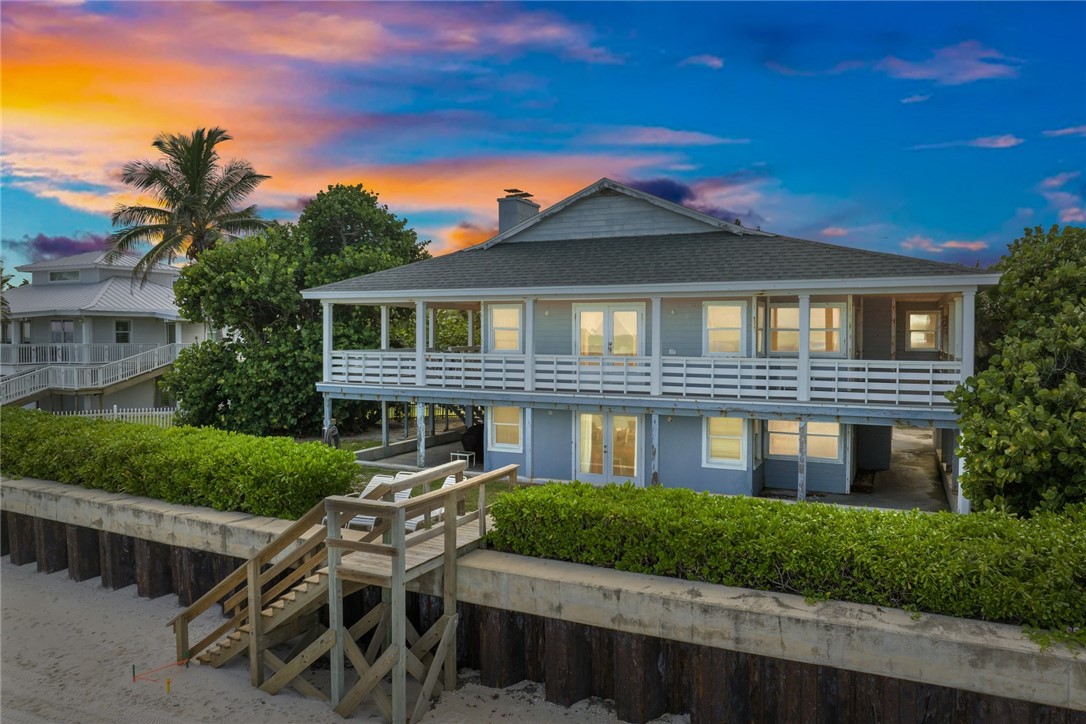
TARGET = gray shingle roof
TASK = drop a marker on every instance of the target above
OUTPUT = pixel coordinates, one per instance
(717, 256)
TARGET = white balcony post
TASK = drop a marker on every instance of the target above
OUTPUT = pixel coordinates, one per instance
(803, 378)
(327, 350)
(384, 326)
(801, 478)
(656, 380)
(431, 329)
(420, 343)
(968, 333)
(529, 345)
(529, 449)
(88, 330)
(471, 328)
(654, 451)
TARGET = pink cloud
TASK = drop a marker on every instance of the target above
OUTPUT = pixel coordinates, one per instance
(835, 231)
(842, 67)
(1072, 214)
(708, 61)
(970, 245)
(1071, 131)
(1070, 206)
(657, 136)
(1055, 182)
(1007, 140)
(916, 98)
(954, 65)
(926, 243)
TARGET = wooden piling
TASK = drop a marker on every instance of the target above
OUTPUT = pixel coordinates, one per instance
(534, 647)
(84, 560)
(568, 666)
(154, 569)
(501, 647)
(51, 545)
(636, 664)
(195, 574)
(117, 558)
(20, 533)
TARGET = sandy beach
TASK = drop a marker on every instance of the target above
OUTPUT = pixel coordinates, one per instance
(67, 650)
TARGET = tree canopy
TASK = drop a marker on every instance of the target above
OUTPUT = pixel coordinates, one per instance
(260, 378)
(195, 199)
(1023, 419)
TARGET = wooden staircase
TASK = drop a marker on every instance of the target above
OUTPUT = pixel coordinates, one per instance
(317, 561)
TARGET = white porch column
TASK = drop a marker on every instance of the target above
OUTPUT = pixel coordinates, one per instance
(654, 451)
(529, 345)
(327, 349)
(656, 379)
(420, 428)
(384, 424)
(529, 449)
(327, 411)
(471, 328)
(801, 478)
(88, 330)
(431, 330)
(420, 343)
(13, 326)
(384, 326)
(803, 381)
(969, 307)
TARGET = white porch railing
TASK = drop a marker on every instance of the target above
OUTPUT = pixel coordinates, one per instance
(74, 378)
(892, 382)
(154, 416)
(63, 354)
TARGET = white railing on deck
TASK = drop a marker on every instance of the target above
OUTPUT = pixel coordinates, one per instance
(155, 416)
(74, 378)
(64, 354)
(893, 382)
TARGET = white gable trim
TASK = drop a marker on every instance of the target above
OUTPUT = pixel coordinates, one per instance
(606, 183)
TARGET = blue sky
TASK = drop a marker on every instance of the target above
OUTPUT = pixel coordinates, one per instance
(937, 130)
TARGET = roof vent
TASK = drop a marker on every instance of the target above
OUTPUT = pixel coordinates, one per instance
(515, 208)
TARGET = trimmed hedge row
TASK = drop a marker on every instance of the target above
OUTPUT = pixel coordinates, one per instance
(986, 566)
(191, 466)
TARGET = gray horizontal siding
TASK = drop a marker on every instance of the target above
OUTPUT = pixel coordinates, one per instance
(681, 461)
(607, 215)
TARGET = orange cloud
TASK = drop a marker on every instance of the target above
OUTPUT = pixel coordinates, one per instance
(461, 236)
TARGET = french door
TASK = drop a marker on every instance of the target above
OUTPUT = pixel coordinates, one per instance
(609, 330)
(608, 447)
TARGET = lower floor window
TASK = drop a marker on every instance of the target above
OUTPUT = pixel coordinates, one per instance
(724, 442)
(823, 439)
(503, 427)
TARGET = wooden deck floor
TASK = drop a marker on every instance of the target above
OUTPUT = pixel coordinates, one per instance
(376, 569)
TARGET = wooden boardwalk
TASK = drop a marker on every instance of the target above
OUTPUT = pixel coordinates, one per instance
(318, 560)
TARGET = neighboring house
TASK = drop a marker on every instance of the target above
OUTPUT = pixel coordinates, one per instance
(624, 337)
(85, 334)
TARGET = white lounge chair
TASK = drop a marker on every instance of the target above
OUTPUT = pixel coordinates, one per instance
(365, 522)
(435, 515)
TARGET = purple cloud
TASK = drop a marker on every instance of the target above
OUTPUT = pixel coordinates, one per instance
(954, 65)
(705, 60)
(707, 195)
(1007, 140)
(1071, 131)
(916, 98)
(43, 247)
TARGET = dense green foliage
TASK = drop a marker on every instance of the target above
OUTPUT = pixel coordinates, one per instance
(261, 378)
(1023, 419)
(988, 566)
(264, 476)
(195, 199)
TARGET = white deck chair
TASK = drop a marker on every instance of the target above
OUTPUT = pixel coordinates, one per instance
(435, 515)
(365, 522)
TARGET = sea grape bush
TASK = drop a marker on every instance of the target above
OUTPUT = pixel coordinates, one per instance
(192, 466)
(989, 566)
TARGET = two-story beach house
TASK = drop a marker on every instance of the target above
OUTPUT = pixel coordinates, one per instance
(84, 334)
(627, 338)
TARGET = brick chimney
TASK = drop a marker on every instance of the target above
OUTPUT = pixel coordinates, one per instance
(515, 208)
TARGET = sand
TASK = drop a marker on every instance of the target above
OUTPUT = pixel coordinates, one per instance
(67, 650)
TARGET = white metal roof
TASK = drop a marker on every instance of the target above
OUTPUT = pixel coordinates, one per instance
(116, 295)
(91, 259)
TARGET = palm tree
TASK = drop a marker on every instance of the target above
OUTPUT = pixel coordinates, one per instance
(196, 200)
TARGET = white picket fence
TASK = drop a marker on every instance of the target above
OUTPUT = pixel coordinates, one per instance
(155, 416)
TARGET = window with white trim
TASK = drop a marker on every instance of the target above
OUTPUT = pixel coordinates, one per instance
(122, 331)
(505, 326)
(64, 276)
(923, 331)
(724, 332)
(827, 327)
(823, 440)
(504, 425)
(724, 443)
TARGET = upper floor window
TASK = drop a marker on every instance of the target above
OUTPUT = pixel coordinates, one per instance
(724, 327)
(505, 325)
(823, 440)
(122, 331)
(827, 327)
(923, 332)
(724, 443)
(64, 276)
(504, 429)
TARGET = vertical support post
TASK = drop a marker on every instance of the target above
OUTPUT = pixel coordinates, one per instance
(803, 381)
(431, 328)
(483, 343)
(849, 345)
(326, 308)
(384, 326)
(655, 351)
(449, 585)
(406, 420)
(335, 606)
(420, 426)
(529, 345)
(433, 419)
(327, 410)
(893, 327)
(529, 449)
(471, 328)
(384, 424)
(955, 329)
(469, 416)
(88, 331)
(256, 623)
(399, 618)
(801, 479)
(420, 343)
(968, 362)
(654, 451)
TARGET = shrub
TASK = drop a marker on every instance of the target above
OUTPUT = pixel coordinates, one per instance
(989, 566)
(192, 466)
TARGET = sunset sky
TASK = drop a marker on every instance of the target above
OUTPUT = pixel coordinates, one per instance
(932, 129)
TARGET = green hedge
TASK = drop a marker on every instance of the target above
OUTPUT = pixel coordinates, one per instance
(987, 566)
(191, 466)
